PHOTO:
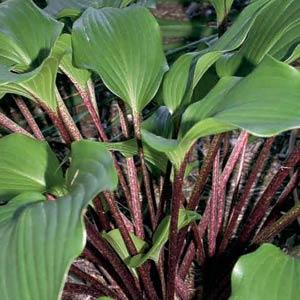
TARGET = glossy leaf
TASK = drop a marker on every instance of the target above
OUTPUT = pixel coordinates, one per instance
(189, 68)
(50, 234)
(249, 104)
(222, 8)
(124, 47)
(27, 65)
(28, 165)
(160, 237)
(266, 274)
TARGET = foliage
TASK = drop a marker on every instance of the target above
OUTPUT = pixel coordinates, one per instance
(267, 265)
(144, 233)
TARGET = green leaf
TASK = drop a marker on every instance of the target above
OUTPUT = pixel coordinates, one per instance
(274, 31)
(79, 76)
(115, 239)
(237, 33)
(28, 165)
(160, 122)
(41, 239)
(9, 209)
(222, 8)
(27, 65)
(74, 8)
(105, 298)
(124, 47)
(266, 274)
(160, 237)
(189, 68)
(83, 158)
(248, 104)
(184, 75)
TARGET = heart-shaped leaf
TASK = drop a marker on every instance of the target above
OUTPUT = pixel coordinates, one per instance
(42, 238)
(266, 274)
(27, 65)
(124, 47)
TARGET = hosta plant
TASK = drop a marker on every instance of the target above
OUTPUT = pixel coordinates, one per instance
(164, 205)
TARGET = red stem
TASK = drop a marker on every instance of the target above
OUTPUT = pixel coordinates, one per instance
(215, 198)
(262, 205)
(173, 241)
(104, 221)
(67, 119)
(86, 97)
(29, 118)
(12, 126)
(81, 289)
(275, 228)
(105, 290)
(115, 261)
(134, 204)
(238, 208)
(58, 123)
(204, 172)
(291, 186)
(146, 177)
(148, 284)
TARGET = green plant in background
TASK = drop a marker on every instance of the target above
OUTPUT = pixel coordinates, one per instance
(143, 233)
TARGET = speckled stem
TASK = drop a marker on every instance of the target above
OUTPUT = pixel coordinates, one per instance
(12, 126)
(29, 118)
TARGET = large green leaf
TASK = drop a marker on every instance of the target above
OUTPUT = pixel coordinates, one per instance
(42, 238)
(27, 65)
(184, 75)
(60, 9)
(124, 47)
(275, 30)
(266, 274)
(160, 237)
(237, 33)
(28, 165)
(250, 104)
(189, 68)
(7, 211)
(222, 8)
